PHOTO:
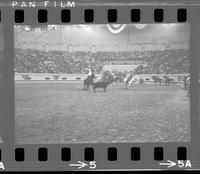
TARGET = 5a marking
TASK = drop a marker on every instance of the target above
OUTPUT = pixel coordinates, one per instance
(180, 164)
(80, 164)
(2, 167)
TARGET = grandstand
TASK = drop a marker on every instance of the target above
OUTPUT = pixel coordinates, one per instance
(168, 61)
(52, 50)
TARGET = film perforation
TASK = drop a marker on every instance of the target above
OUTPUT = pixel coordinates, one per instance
(89, 15)
(112, 154)
(65, 154)
(42, 16)
(135, 15)
(135, 154)
(19, 154)
(182, 15)
(112, 15)
(158, 154)
(19, 16)
(89, 154)
(158, 15)
(65, 16)
(43, 154)
(182, 153)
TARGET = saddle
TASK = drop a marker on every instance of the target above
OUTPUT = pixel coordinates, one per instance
(97, 79)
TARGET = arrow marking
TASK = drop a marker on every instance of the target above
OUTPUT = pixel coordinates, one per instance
(169, 164)
(79, 165)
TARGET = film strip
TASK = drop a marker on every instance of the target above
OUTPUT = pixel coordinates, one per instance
(147, 119)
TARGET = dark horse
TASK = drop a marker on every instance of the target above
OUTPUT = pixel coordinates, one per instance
(87, 82)
(118, 78)
(157, 79)
(106, 80)
(167, 80)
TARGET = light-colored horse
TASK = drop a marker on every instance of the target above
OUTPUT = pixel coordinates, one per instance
(129, 80)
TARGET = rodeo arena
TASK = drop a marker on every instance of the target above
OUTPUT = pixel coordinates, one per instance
(102, 83)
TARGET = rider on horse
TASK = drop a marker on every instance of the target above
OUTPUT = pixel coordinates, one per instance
(91, 74)
(129, 79)
(188, 82)
(90, 79)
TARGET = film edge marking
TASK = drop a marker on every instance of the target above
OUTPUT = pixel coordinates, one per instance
(45, 4)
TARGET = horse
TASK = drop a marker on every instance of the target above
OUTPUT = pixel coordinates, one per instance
(188, 86)
(167, 80)
(186, 80)
(118, 78)
(157, 79)
(106, 79)
(129, 80)
(88, 81)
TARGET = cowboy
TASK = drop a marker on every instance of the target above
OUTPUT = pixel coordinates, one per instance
(91, 74)
(188, 85)
(89, 71)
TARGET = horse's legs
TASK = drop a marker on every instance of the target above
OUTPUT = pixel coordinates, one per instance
(94, 89)
(88, 86)
(84, 85)
(125, 86)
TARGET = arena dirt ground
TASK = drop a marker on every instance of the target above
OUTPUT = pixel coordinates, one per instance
(64, 113)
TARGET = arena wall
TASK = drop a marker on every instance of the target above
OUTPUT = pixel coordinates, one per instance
(42, 76)
(177, 78)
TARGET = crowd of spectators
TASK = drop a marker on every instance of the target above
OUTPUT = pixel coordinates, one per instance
(77, 62)
(167, 62)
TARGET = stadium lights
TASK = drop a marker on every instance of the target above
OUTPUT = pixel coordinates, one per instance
(54, 27)
(82, 25)
(88, 29)
(26, 28)
(169, 24)
(140, 26)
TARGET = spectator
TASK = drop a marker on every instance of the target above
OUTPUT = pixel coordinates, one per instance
(36, 61)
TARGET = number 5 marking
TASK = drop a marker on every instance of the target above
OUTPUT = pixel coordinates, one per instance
(93, 165)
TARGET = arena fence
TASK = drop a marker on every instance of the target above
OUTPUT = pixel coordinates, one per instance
(177, 78)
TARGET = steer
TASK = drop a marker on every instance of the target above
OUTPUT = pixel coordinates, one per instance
(101, 85)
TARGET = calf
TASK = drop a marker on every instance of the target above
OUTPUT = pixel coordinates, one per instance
(100, 85)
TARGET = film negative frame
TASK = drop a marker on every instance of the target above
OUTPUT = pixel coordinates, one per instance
(175, 152)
